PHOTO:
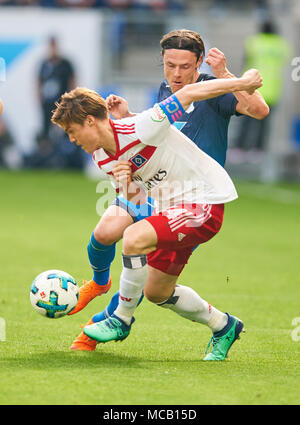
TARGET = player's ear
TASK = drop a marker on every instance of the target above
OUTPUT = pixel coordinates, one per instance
(90, 120)
(199, 62)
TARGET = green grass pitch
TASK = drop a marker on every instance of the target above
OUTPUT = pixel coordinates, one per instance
(251, 269)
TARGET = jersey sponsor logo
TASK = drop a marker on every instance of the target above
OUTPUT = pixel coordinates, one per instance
(154, 180)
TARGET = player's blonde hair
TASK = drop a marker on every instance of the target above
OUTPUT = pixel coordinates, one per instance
(183, 40)
(76, 105)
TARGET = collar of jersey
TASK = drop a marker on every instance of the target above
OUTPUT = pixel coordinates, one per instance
(119, 151)
(117, 154)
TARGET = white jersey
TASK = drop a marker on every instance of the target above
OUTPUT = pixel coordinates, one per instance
(165, 162)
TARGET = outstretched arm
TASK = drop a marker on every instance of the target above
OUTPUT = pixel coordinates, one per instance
(249, 82)
(252, 105)
(151, 125)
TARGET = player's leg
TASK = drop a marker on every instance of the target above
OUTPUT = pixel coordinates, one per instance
(177, 241)
(101, 252)
(162, 290)
(164, 267)
(137, 213)
(138, 239)
(184, 300)
(161, 286)
(188, 304)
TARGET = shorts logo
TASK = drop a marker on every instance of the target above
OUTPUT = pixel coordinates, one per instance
(181, 236)
(138, 160)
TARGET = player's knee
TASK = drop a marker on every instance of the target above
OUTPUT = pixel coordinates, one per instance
(133, 242)
(105, 235)
(157, 294)
(152, 297)
(111, 227)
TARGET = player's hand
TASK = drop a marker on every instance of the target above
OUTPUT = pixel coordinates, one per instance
(117, 106)
(122, 172)
(217, 60)
(253, 80)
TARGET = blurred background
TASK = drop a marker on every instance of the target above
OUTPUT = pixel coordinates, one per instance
(112, 46)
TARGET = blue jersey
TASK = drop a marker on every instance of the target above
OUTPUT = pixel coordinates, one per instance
(206, 122)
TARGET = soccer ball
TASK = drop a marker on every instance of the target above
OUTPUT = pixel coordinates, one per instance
(54, 293)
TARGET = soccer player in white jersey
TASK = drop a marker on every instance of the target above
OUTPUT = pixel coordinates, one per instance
(189, 189)
(205, 122)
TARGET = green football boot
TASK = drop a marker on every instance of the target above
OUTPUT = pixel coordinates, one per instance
(111, 329)
(223, 339)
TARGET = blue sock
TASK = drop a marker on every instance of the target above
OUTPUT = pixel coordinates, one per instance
(100, 257)
(109, 310)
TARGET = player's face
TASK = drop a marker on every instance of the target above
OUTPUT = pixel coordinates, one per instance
(180, 68)
(86, 136)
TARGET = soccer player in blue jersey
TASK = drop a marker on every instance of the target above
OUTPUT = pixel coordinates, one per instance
(205, 123)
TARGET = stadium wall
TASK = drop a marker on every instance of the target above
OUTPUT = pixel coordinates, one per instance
(24, 34)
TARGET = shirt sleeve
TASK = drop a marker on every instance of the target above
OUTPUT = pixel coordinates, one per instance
(152, 126)
(224, 105)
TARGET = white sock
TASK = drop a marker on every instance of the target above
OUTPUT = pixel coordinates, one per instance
(132, 281)
(187, 303)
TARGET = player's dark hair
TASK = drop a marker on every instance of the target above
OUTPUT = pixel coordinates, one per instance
(183, 40)
(76, 105)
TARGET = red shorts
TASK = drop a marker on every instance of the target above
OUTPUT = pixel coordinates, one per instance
(180, 229)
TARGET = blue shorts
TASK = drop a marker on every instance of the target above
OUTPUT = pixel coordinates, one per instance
(137, 212)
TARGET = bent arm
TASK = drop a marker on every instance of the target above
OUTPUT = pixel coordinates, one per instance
(253, 105)
(213, 88)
